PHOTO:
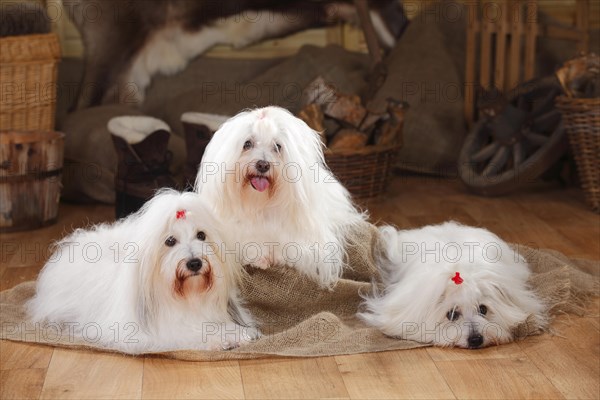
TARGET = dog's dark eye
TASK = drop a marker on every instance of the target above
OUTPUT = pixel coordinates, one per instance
(171, 241)
(247, 145)
(201, 236)
(277, 147)
(453, 315)
(482, 309)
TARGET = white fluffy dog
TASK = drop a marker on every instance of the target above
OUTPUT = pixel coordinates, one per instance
(264, 172)
(154, 281)
(452, 285)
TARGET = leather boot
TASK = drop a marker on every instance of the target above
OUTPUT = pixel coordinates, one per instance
(143, 161)
(198, 129)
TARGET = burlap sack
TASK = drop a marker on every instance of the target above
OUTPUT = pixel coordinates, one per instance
(425, 69)
(299, 319)
(205, 85)
(280, 84)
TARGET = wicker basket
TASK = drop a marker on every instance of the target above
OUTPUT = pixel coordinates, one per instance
(582, 122)
(364, 172)
(28, 69)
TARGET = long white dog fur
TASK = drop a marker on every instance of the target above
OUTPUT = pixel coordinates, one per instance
(452, 285)
(155, 281)
(264, 173)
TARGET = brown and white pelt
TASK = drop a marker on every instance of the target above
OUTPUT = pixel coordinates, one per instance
(128, 42)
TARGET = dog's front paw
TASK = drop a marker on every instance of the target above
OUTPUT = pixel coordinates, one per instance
(262, 263)
(250, 335)
(225, 346)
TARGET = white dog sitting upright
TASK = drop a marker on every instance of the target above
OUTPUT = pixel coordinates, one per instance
(452, 285)
(264, 172)
(154, 281)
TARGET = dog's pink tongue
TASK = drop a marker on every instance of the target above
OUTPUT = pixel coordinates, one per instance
(260, 183)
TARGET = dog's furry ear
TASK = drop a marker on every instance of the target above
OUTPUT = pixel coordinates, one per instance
(386, 253)
(147, 304)
(505, 295)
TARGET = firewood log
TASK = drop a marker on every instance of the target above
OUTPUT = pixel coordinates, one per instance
(313, 116)
(348, 139)
(391, 130)
(346, 108)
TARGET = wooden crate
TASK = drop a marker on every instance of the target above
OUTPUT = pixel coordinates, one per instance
(501, 44)
(30, 178)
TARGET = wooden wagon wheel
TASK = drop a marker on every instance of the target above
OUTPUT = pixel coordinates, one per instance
(519, 143)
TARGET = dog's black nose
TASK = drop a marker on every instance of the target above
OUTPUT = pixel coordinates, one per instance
(194, 264)
(262, 166)
(475, 340)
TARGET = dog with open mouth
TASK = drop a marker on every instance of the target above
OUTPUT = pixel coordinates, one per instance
(264, 173)
(157, 280)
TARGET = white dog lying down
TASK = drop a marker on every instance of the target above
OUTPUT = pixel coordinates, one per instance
(452, 285)
(154, 281)
(264, 173)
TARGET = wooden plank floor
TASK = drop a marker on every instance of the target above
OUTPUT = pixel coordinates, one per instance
(562, 366)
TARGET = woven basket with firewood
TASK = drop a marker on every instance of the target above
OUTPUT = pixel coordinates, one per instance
(361, 145)
(580, 107)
